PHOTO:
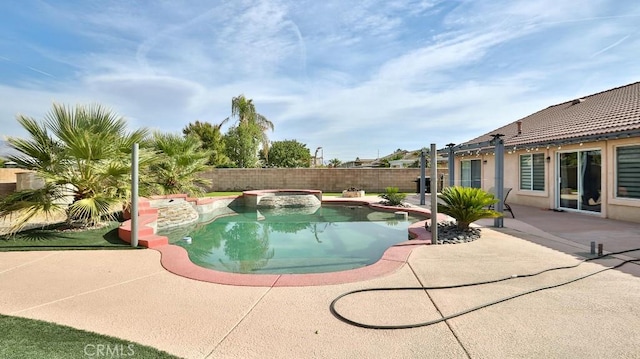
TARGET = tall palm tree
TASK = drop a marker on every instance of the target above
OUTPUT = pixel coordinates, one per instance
(245, 111)
(83, 156)
(179, 160)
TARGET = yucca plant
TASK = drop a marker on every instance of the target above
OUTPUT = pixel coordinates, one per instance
(393, 196)
(466, 205)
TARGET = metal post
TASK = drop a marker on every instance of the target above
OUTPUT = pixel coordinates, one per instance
(434, 194)
(499, 174)
(452, 164)
(134, 195)
(422, 175)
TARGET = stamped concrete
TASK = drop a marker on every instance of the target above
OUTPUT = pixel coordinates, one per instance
(129, 294)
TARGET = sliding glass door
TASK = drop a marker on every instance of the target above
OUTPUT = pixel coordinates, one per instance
(471, 174)
(579, 179)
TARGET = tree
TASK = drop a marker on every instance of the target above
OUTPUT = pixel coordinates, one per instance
(212, 140)
(335, 163)
(177, 164)
(84, 157)
(245, 112)
(241, 143)
(289, 153)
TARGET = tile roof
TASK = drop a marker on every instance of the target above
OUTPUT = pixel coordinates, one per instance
(604, 113)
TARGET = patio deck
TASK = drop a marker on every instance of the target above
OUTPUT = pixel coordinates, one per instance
(128, 294)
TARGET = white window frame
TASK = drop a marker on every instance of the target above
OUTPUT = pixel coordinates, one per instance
(531, 172)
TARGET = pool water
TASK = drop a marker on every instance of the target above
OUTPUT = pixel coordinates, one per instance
(323, 239)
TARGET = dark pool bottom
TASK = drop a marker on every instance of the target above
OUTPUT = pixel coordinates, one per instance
(330, 238)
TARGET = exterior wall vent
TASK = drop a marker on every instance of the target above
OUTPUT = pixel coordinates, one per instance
(577, 101)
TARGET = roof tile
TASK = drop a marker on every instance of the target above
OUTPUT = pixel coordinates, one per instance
(607, 112)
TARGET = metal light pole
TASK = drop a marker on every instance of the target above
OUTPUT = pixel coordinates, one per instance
(134, 195)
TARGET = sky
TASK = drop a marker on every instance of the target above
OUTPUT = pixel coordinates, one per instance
(359, 78)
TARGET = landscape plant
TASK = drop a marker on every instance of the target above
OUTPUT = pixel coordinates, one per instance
(466, 205)
(288, 153)
(83, 155)
(242, 140)
(177, 164)
(393, 196)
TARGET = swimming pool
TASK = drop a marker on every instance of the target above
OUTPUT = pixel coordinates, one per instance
(328, 238)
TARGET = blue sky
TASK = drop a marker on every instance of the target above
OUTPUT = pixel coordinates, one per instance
(357, 78)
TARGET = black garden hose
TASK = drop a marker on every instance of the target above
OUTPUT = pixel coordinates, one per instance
(431, 322)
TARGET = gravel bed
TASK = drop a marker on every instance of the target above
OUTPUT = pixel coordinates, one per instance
(448, 233)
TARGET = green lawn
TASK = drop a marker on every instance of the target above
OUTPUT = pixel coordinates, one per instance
(222, 194)
(28, 338)
(49, 238)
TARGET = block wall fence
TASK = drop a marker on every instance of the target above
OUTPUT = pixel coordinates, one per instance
(324, 179)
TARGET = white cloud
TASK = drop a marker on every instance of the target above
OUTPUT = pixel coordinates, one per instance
(353, 77)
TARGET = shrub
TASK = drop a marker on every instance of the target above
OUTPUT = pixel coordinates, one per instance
(393, 197)
(466, 205)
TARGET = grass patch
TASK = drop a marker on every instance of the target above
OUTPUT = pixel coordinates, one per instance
(339, 194)
(29, 338)
(222, 194)
(52, 238)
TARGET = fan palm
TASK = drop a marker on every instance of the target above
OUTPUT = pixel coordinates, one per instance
(83, 156)
(179, 161)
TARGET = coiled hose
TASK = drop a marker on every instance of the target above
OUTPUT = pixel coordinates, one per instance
(431, 322)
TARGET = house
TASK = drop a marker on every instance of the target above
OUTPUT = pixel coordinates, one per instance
(582, 155)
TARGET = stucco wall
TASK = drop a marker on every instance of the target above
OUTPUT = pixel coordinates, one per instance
(8, 180)
(324, 179)
(8, 175)
(612, 207)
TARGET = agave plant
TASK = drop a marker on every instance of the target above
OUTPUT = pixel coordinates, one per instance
(466, 205)
(83, 156)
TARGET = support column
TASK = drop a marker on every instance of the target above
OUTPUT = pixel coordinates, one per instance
(452, 164)
(422, 175)
(434, 194)
(134, 195)
(499, 177)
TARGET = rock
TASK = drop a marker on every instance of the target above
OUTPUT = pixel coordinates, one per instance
(448, 233)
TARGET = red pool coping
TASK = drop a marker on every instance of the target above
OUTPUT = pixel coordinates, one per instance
(176, 260)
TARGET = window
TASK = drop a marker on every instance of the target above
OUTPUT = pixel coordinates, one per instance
(532, 172)
(471, 174)
(628, 172)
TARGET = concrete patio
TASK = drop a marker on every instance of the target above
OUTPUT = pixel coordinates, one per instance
(128, 294)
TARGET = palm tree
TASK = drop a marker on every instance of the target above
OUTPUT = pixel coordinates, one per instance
(179, 160)
(245, 111)
(335, 163)
(83, 156)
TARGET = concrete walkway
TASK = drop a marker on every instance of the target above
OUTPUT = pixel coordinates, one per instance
(128, 294)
